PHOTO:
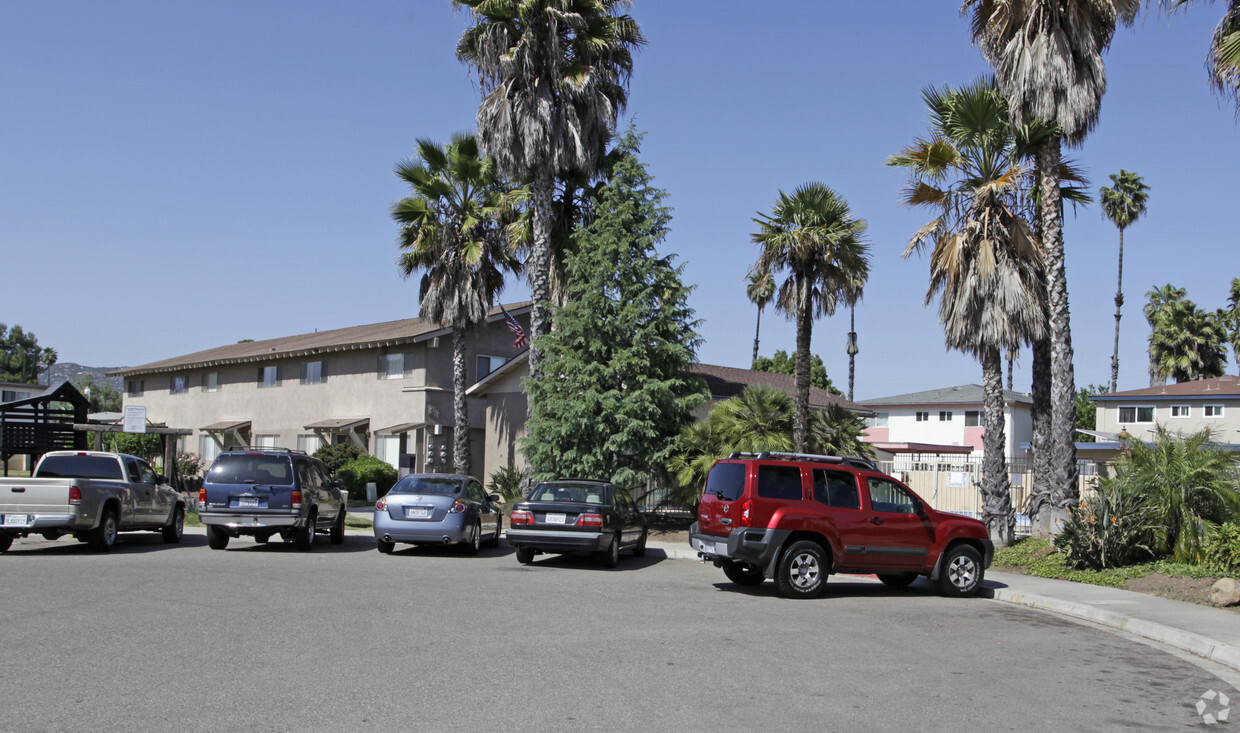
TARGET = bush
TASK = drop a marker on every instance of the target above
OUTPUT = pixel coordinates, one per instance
(509, 483)
(335, 456)
(1221, 549)
(149, 446)
(190, 464)
(363, 470)
(1113, 527)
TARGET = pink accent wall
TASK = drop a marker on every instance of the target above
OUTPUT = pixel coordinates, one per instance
(877, 435)
(973, 437)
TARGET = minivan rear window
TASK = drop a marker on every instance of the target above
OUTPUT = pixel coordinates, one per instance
(726, 480)
(247, 468)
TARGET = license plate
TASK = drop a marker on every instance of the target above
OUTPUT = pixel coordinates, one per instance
(248, 503)
(417, 512)
(557, 519)
(16, 520)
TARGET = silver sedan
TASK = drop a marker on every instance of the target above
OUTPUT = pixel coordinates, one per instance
(441, 509)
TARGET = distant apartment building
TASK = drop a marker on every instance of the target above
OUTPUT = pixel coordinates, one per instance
(385, 388)
(950, 417)
(1183, 409)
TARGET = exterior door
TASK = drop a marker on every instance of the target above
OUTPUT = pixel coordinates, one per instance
(897, 537)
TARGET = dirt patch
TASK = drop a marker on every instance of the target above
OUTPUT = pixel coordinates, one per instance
(665, 528)
(1192, 590)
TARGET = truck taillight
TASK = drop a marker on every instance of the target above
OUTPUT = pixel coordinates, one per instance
(75, 495)
(296, 498)
(590, 520)
(747, 513)
(520, 516)
(381, 505)
(458, 506)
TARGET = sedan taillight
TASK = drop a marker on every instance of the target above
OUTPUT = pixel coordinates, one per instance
(296, 498)
(521, 516)
(458, 506)
(590, 520)
(75, 495)
(381, 505)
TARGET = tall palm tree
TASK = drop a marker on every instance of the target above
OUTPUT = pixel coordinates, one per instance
(1123, 203)
(985, 260)
(1223, 59)
(1047, 56)
(813, 236)
(1188, 343)
(554, 76)
(760, 290)
(1158, 300)
(452, 229)
(1231, 321)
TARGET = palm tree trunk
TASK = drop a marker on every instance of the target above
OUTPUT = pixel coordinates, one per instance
(996, 487)
(852, 348)
(1040, 416)
(460, 409)
(805, 323)
(756, 330)
(1063, 389)
(540, 267)
(1011, 361)
(1119, 303)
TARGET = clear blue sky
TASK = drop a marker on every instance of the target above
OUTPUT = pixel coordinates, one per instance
(181, 176)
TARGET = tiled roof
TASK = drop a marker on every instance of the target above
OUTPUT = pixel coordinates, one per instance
(1225, 386)
(391, 333)
(725, 382)
(964, 394)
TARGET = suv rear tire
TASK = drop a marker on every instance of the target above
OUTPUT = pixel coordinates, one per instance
(303, 537)
(337, 535)
(802, 570)
(961, 573)
(742, 574)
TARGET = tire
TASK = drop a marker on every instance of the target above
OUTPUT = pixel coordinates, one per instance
(385, 547)
(611, 555)
(303, 537)
(337, 533)
(961, 572)
(640, 549)
(175, 529)
(103, 537)
(499, 530)
(742, 574)
(217, 539)
(475, 540)
(525, 555)
(897, 580)
(802, 570)
(5, 543)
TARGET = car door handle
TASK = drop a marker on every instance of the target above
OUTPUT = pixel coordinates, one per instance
(876, 520)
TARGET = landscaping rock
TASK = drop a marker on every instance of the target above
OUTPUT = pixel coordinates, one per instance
(1225, 592)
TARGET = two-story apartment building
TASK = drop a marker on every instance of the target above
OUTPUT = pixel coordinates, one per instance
(1183, 408)
(951, 416)
(385, 387)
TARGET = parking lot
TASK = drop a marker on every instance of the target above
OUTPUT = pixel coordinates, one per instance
(163, 637)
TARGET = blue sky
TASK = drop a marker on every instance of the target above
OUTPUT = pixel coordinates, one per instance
(181, 176)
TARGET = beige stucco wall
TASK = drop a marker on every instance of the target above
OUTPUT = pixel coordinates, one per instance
(1225, 427)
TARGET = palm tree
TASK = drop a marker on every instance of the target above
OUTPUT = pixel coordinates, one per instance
(985, 259)
(1188, 343)
(813, 236)
(1223, 59)
(1159, 299)
(760, 290)
(554, 77)
(1232, 321)
(1123, 205)
(452, 229)
(837, 431)
(1047, 56)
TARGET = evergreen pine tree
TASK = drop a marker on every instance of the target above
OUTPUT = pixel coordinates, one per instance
(613, 392)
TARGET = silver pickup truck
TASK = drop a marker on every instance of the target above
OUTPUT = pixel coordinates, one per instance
(92, 496)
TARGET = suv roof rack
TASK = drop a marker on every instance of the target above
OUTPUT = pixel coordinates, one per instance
(264, 448)
(848, 461)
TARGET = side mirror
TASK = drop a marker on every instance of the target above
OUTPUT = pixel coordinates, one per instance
(160, 478)
(495, 498)
(919, 507)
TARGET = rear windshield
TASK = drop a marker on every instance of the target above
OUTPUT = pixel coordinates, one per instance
(423, 485)
(726, 480)
(578, 493)
(80, 467)
(242, 468)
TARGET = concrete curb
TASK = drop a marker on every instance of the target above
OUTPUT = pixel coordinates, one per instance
(1216, 651)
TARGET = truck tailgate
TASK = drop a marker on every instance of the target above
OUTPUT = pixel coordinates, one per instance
(35, 495)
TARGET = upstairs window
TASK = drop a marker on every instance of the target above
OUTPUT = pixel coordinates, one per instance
(1212, 410)
(135, 387)
(178, 385)
(211, 382)
(923, 417)
(268, 376)
(1136, 414)
(392, 366)
(945, 415)
(972, 418)
(1181, 411)
(313, 372)
(488, 364)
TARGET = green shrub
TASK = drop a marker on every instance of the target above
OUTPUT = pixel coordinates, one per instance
(1221, 549)
(1113, 527)
(363, 470)
(336, 456)
(508, 482)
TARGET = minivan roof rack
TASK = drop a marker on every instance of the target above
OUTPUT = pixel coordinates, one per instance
(767, 454)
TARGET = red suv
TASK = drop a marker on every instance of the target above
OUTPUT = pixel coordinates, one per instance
(798, 518)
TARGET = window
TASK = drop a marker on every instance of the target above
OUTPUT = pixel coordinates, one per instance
(392, 366)
(880, 420)
(387, 449)
(945, 415)
(268, 376)
(267, 441)
(211, 382)
(308, 443)
(779, 482)
(1181, 411)
(1212, 410)
(836, 489)
(886, 496)
(208, 449)
(135, 387)
(972, 418)
(313, 372)
(488, 364)
(178, 385)
(11, 395)
(1137, 414)
(726, 480)
(923, 417)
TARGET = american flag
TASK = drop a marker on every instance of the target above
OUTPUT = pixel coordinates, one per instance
(514, 327)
